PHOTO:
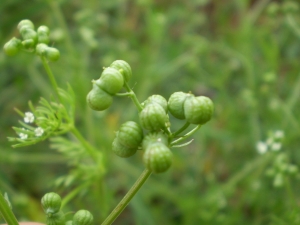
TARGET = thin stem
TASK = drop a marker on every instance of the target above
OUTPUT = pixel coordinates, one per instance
(130, 194)
(73, 193)
(51, 77)
(85, 144)
(133, 97)
(186, 125)
(186, 135)
(6, 212)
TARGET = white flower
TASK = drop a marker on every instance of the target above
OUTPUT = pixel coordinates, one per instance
(23, 136)
(29, 117)
(276, 146)
(38, 131)
(279, 134)
(261, 147)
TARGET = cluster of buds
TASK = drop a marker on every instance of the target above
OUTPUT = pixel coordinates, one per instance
(33, 41)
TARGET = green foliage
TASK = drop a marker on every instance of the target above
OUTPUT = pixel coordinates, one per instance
(244, 55)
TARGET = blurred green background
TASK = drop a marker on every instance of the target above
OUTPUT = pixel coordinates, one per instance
(243, 54)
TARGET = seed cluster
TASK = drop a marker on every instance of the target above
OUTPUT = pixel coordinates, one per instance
(51, 203)
(110, 83)
(33, 41)
(153, 117)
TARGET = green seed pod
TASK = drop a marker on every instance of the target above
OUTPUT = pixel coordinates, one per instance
(158, 99)
(43, 38)
(28, 33)
(83, 217)
(130, 134)
(198, 110)
(175, 104)
(28, 44)
(43, 35)
(12, 47)
(52, 54)
(51, 203)
(121, 150)
(123, 67)
(41, 49)
(25, 23)
(157, 158)
(43, 29)
(111, 81)
(98, 99)
(153, 117)
(56, 218)
(154, 137)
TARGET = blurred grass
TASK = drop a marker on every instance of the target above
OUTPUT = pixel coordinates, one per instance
(233, 51)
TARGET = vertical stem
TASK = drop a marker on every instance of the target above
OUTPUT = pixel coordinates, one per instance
(6, 212)
(133, 97)
(130, 194)
(85, 144)
(51, 77)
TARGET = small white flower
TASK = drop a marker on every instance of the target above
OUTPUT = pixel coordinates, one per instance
(23, 136)
(29, 117)
(279, 134)
(38, 131)
(276, 146)
(261, 147)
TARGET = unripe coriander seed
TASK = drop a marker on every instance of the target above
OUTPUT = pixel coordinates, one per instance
(123, 67)
(12, 47)
(153, 117)
(111, 81)
(83, 217)
(121, 150)
(175, 104)
(158, 158)
(158, 99)
(51, 203)
(198, 110)
(98, 99)
(130, 134)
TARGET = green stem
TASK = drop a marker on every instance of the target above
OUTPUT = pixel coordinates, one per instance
(186, 135)
(51, 77)
(73, 193)
(293, 24)
(133, 97)
(6, 212)
(85, 144)
(186, 125)
(130, 194)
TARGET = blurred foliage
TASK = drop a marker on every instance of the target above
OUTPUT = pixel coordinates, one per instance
(244, 54)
